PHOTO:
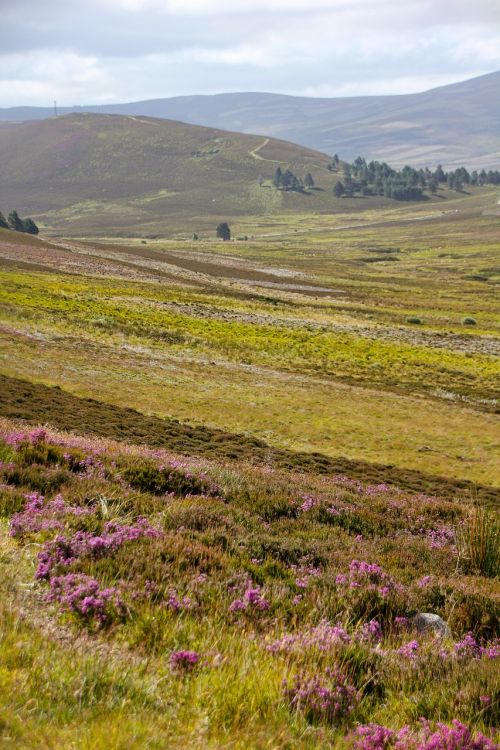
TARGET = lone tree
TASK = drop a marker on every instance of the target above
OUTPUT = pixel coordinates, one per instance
(308, 181)
(338, 189)
(223, 231)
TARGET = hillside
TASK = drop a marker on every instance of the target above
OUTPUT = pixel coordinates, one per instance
(455, 125)
(110, 173)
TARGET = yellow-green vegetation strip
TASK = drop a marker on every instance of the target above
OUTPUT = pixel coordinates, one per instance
(97, 306)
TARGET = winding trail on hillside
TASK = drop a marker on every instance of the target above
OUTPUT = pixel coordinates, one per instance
(255, 152)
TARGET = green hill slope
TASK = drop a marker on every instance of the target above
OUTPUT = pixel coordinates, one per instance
(87, 173)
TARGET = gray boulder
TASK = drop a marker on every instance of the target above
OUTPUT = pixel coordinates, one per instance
(426, 621)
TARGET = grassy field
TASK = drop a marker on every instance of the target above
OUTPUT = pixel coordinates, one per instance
(306, 457)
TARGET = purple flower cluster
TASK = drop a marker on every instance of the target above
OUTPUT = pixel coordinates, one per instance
(328, 698)
(442, 737)
(64, 551)
(184, 660)
(368, 576)
(252, 599)
(177, 604)
(17, 438)
(305, 572)
(43, 515)
(371, 631)
(409, 650)
(469, 648)
(82, 595)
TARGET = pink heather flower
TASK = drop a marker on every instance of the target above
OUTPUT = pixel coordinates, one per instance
(83, 596)
(329, 697)
(184, 660)
(373, 737)
(38, 435)
(425, 581)
(371, 631)
(237, 605)
(409, 650)
(456, 737)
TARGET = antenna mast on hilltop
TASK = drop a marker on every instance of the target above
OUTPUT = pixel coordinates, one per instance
(55, 108)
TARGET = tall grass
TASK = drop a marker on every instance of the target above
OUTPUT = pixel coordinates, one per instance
(478, 542)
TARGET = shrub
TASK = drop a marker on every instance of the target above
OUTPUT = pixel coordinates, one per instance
(468, 322)
(414, 320)
(147, 478)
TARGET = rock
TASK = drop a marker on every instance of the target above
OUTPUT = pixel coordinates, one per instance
(425, 621)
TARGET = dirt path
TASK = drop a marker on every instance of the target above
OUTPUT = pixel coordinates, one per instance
(256, 155)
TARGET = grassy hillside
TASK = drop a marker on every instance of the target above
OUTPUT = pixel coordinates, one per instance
(124, 175)
(455, 125)
(87, 172)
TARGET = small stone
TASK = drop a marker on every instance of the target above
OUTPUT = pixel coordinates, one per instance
(425, 621)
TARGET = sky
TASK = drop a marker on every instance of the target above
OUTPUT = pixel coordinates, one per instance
(106, 51)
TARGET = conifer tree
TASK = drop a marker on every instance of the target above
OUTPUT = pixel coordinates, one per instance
(223, 231)
(15, 222)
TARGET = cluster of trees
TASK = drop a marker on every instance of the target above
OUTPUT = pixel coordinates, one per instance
(407, 184)
(14, 221)
(289, 181)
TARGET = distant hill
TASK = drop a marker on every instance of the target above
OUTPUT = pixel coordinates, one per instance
(111, 173)
(454, 125)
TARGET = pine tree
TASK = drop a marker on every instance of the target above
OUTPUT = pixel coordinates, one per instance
(338, 189)
(30, 227)
(308, 181)
(15, 222)
(3, 221)
(223, 231)
(277, 179)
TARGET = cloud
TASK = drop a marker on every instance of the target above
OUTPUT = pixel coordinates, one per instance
(116, 50)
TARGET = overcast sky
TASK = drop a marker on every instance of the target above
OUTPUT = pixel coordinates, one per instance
(96, 51)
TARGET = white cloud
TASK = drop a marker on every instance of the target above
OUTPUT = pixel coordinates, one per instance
(123, 50)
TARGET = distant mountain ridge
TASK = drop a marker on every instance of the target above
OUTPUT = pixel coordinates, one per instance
(454, 125)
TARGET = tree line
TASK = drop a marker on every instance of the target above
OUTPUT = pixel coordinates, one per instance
(14, 221)
(406, 184)
(289, 181)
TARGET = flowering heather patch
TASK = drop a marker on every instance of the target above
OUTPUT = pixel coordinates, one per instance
(40, 514)
(83, 596)
(275, 585)
(330, 697)
(469, 648)
(252, 599)
(65, 551)
(184, 661)
(442, 737)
